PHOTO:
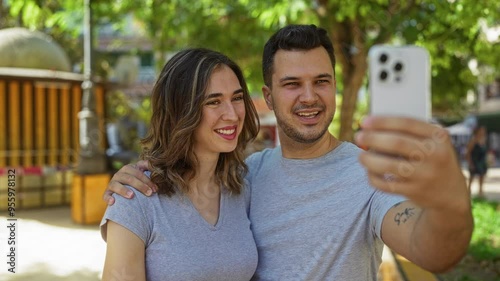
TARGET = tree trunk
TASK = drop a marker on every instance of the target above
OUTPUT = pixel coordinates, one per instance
(351, 54)
(3, 16)
(351, 49)
(352, 84)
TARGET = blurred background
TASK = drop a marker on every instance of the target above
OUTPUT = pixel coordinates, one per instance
(75, 79)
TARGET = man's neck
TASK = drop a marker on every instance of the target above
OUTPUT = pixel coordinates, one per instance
(295, 150)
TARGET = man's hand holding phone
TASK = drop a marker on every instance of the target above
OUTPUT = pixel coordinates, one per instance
(407, 154)
(413, 158)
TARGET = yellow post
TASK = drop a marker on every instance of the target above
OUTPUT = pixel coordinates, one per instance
(28, 146)
(3, 125)
(65, 132)
(77, 105)
(40, 128)
(14, 124)
(53, 130)
(87, 206)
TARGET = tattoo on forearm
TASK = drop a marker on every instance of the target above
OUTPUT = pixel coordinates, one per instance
(404, 216)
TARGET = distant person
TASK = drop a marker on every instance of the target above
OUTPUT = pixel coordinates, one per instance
(196, 227)
(476, 156)
(320, 208)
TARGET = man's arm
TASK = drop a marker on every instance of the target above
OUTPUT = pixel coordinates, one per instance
(434, 240)
(124, 255)
(416, 159)
(132, 175)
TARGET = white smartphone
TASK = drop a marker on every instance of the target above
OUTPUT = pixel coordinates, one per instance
(400, 81)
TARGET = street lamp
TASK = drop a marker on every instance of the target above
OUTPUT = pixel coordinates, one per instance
(91, 157)
(91, 176)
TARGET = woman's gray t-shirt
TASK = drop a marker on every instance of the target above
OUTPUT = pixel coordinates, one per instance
(180, 244)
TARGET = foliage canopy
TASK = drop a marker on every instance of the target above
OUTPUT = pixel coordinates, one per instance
(452, 30)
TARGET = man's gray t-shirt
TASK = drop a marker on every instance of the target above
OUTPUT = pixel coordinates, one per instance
(315, 219)
(180, 244)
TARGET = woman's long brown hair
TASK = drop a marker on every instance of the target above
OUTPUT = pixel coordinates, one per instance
(177, 103)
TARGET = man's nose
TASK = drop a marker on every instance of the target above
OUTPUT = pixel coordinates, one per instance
(308, 95)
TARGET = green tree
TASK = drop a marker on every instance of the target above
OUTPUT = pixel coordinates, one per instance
(450, 29)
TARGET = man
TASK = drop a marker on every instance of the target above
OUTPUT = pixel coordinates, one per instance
(316, 213)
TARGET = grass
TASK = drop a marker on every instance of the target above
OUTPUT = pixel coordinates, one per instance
(485, 242)
(482, 262)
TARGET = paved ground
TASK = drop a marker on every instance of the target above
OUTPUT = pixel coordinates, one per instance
(53, 248)
(491, 186)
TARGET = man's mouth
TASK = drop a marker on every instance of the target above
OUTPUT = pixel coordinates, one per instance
(311, 114)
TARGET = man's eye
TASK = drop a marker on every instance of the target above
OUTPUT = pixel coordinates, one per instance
(238, 98)
(291, 84)
(212, 102)
(322, 82)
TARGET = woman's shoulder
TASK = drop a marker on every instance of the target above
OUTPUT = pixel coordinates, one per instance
(137, 201)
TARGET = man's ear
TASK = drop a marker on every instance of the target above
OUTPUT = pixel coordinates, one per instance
(266, 92)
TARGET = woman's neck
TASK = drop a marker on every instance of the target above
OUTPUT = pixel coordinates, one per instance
(204, 180)
(205, 191)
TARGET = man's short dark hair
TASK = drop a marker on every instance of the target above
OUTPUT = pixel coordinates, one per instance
(294, 37)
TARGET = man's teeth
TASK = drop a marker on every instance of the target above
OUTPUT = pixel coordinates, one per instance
(226, 132)
(308, 114)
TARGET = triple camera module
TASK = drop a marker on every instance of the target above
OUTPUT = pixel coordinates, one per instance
(396, 67)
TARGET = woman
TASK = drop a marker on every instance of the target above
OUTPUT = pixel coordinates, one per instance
(195, 227)
(476, 157)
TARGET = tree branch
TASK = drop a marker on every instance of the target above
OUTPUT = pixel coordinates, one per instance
(386, 30)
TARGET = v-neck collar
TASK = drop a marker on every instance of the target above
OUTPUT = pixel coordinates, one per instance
(220, 219)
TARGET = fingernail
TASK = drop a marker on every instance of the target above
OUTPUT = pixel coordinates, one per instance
(149, 192)
(360, 122)
(130, 194)
(357, 137)
(365, 122)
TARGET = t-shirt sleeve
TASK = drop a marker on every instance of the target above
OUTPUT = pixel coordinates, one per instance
(252, 163)
(129, 213)
(381, 202)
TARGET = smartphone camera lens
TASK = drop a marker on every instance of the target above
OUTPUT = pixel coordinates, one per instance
(398, 66)
(383, 75)
(383, 58)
